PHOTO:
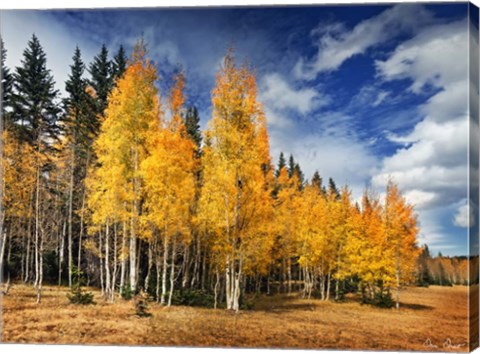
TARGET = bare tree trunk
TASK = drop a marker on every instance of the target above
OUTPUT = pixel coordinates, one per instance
(80, 237)
(217, 285)
(101, 262)
(40, 276)
(61, 253)
(70, 218)
(157, 265)
(3, 242)
(196, 267)
(150, 265)
(329, 281)
(115, 262)
(107, 260)
(133, 236)
(124, 257)
(289, 273)
(37, 228)
(29, 237)
(397, 276)
(82, 215)
(228, 287)
(172, 270)
(133, 266)
(204, 270)
(186, 266)
(165, 268)
(237, 285)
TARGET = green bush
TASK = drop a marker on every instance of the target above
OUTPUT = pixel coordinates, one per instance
(126, 292)
(80, 297)
(141, 307)
(77, 295)
(193, 297)
(383, 300)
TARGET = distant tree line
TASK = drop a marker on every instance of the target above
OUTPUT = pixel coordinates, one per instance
(442, 270)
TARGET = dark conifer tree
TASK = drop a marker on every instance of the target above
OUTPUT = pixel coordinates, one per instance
(317, 181)
(332, 189)
(281, 164)
(102, 78)
(192, 121)
(119, 63)
(7, 81)
(34, 110)
(291, 166)
(81, 122)
(297, 171)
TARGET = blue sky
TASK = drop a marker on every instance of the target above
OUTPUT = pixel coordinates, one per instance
(358, 93)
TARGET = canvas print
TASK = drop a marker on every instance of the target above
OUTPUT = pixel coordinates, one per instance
(296, 177)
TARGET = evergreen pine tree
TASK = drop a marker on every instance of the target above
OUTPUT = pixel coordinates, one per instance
(119, 63)
(35, 112)
(81, 121)
(192, 125)
(102, 78)
(317, 181)
(297, 171)
(291, 166)
(281, 164)
(7, 80)
(332, 189)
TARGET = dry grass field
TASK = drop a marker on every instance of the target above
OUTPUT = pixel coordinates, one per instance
(431, 319)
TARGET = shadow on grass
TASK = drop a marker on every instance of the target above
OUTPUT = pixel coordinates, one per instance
(416, 307)
(292, 303)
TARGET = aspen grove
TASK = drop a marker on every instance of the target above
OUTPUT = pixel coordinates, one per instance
(114, 186)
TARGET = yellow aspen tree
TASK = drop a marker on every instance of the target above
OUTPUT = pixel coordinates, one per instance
(338, 230)
(169, 176)
(287, 207)
(233, 195)
(116, 184)
(400, 223)
(18, 171)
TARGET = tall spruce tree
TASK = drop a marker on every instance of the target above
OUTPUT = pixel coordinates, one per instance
(7, 80)
(297, 171)
(291, 166)
(281, 164)
(35, 111)
(102, 78)
(332, 189)
(317, 182)
(119, 63)
(80, 119)
(192, 125)
(35, 116)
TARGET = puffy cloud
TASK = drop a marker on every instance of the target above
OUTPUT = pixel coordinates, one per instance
(464, 216)
(337, 44)
(432, 166)
(436, 57)
(276, 92)
(334, 153)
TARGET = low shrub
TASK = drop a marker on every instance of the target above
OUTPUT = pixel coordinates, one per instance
(193, 297)
(80, 297)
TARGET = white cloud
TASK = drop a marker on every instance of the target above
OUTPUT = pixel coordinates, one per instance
(436, 56)
(277, 93)
(432, 167)
(338, 155)
(464, 216)
(381, 96)
(337, 44)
